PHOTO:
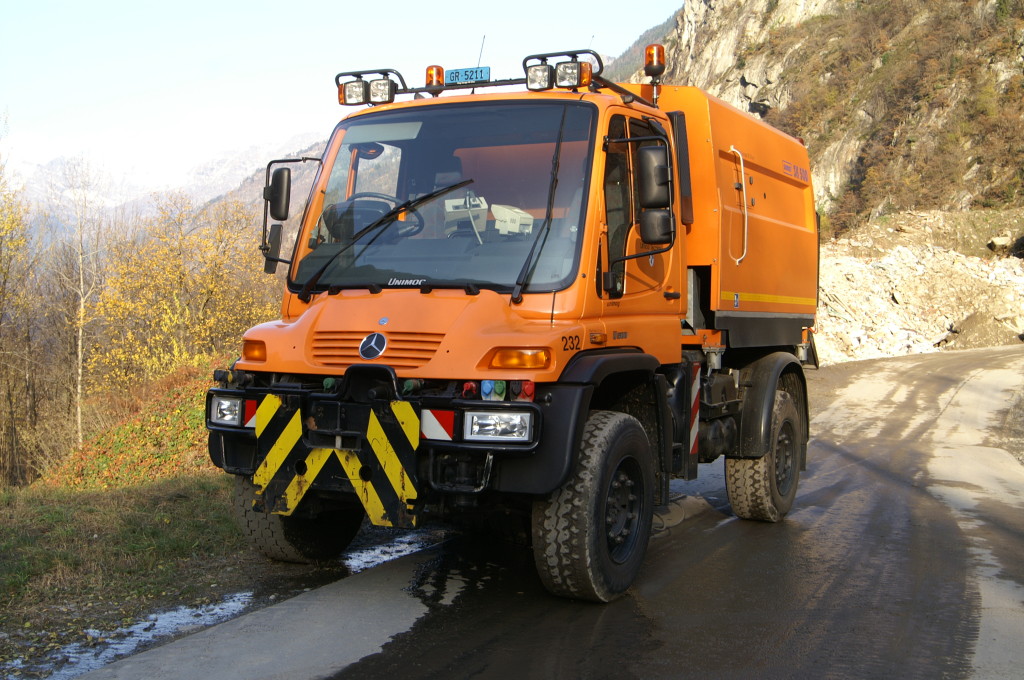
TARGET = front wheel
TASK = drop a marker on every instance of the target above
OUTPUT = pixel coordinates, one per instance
(590, 536)
(294, 539)
(764, 488)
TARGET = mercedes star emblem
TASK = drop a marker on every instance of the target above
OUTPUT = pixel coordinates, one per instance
(372, 346)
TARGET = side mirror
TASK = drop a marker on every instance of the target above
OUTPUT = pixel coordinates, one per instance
(272, 251)
(653, 177)
(278, 193)
(656, 227)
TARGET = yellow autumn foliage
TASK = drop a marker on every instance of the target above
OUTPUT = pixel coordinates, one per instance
(13, 253)
(15, 313)
(181, 294)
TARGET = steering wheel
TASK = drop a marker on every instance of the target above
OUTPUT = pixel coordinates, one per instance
(410, 229)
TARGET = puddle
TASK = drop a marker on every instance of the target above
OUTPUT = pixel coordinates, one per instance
(105, 647)
(405, 544)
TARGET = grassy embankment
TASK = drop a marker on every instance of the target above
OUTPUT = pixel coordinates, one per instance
(137, 520)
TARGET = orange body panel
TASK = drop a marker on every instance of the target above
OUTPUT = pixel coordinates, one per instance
(769, 265)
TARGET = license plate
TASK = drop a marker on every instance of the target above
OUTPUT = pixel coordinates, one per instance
(459, 76)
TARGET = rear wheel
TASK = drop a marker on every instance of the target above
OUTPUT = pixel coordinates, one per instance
(764, 488)
(590, 536)
(294, 539)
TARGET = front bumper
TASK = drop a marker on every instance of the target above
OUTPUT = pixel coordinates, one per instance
(395, 455)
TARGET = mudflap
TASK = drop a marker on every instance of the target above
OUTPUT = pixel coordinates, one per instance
(376, 454)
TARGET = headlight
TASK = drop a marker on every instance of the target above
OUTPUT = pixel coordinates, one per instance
(573, 74)
(355, 92)
(540, 77)
(382, 91)
(509, 426)
(226, 411)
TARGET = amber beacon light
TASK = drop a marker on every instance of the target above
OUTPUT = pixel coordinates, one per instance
(654, 61)
(654, 66)
(435, 80)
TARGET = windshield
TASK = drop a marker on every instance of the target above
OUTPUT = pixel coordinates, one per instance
(474, 195)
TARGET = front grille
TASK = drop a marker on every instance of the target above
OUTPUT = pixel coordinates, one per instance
(339, 349)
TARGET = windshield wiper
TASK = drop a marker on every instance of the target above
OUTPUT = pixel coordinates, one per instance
(542, 232)
(387, 218)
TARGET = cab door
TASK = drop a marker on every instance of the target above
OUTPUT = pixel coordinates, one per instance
(642, 297)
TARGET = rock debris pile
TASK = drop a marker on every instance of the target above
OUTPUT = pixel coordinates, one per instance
(891, 289)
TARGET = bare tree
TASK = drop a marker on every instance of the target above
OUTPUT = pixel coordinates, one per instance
(76, 227)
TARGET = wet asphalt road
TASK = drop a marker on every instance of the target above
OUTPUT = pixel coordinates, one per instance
(872, 575)
(902, 558)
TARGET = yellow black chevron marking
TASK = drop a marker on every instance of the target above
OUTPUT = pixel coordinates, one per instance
(381, 470)
(281, 448)
(389, 461)
(410, 423)
(300, 483)
(266, 410)
(367, 494)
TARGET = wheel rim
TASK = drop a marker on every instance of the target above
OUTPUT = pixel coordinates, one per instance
(785, 458)
(623, 510)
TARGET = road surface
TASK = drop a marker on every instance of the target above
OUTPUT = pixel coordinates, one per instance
(902, 558)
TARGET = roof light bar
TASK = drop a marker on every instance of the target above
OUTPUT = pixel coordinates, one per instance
(571, 74)
(576, 69)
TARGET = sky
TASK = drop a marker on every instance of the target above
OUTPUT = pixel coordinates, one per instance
(149, 90)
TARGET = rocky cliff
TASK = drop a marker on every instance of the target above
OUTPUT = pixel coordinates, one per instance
(904, 104)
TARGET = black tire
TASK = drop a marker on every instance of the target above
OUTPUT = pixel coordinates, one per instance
(590, 536)
(294, 539)
(764, 488)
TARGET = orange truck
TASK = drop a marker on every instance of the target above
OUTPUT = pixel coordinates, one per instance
(537, 303)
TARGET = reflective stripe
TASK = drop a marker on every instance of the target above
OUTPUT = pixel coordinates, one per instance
(439, 425)
(694, 408)
(736, 297)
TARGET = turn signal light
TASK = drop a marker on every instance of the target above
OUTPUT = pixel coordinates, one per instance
(254, 350)
(517, 358)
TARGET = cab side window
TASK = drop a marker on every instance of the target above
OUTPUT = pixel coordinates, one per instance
(617, 201)
(620, 187)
